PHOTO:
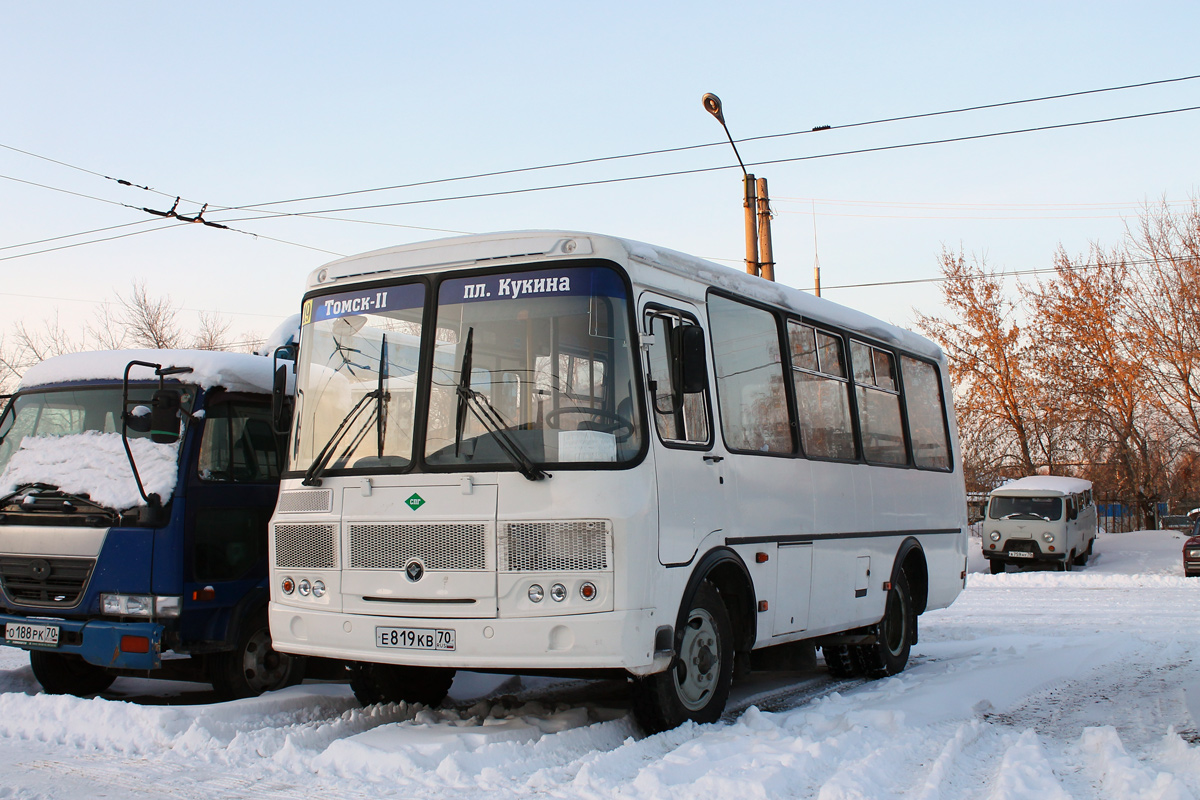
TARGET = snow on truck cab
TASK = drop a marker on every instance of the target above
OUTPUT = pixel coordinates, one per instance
(135, 490)
(1042, 518)
(566, 453)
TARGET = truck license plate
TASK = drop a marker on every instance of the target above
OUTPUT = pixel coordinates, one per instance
(25, 633)
(415, 638)
(1019, 554)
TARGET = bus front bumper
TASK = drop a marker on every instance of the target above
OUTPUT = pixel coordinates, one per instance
(602, 640)
(105, 643)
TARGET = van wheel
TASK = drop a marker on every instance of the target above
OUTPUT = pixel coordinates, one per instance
(842, 660)
(66, 673)
(894, 633)
(1065, 566)
(396, 683)
(997, 566)
(253, 666)
(696, 685)
(1082, 559)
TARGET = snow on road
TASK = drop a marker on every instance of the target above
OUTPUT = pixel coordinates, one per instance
(1032, 685)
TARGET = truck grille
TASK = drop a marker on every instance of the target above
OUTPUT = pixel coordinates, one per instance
(302, 546)
(439, 546)
(555, 546)
(47, 582)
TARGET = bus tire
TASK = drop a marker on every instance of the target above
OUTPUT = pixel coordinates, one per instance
(894, 633)
(842, 661)
(396, 683)
(997, 566)
(253, 666)
(66, 673)
(696, 686)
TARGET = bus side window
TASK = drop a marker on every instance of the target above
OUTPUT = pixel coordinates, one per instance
(676, 420)
(750, 388)
(878, 404)
(822, 392)
(926, 414)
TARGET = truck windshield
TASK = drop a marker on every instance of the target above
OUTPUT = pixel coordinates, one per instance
(549, 375)
(63, 412)
(1047, 508)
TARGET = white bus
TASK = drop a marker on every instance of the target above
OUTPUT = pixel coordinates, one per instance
(606, 458)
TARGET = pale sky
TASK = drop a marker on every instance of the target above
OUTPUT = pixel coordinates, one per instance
(234, 104)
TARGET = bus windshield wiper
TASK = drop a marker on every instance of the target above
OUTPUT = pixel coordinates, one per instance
(486, 413)
(463, 389)
(312, 477)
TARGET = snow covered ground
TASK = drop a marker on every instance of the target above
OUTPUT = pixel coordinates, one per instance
(1038, 685)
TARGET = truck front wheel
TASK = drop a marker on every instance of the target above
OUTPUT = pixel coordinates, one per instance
(253, 666)
(64, 673)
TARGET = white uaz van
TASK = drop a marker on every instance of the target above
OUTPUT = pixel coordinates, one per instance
(1040, 518)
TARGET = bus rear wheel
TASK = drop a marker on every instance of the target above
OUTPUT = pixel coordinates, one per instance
(842, 660)
(696, 686)
(894, 633)
(65, 673)
(396, 683)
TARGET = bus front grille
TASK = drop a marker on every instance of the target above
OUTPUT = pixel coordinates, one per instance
(438, 546)
(303, 546)
(555, 546)
(46, 582)
(304, 500)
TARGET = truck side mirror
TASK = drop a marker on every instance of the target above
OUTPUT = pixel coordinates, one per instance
(164, 416)
(138, 419)
(690, 363)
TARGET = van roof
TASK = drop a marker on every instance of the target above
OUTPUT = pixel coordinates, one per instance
(1043, 484)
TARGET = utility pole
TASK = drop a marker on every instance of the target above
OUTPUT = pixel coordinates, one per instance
(755, 204)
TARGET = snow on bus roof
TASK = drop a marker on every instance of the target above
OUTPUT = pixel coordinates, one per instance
(236, 372)
(464, 251)
(1044, 484)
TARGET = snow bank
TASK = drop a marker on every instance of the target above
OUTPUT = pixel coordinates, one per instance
(95, 464)
(236, 372)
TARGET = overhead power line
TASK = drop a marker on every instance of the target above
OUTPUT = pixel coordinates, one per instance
(700, 170)
(666, 150)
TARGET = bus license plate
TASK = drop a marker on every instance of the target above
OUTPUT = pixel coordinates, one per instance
(1019, 554)
(24, 633)
(415, 638)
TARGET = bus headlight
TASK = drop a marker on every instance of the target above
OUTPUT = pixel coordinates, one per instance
(318, 588)
(304, 588)
(536, 593)
(558, 593)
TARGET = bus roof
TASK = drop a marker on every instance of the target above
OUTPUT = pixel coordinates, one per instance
(1042, 485)
(479, 250)
(236, 372)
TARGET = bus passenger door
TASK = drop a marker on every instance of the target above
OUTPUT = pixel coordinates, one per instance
(689, 472)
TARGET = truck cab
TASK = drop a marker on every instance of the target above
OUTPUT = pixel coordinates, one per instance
(127, 549)
(1042, 518)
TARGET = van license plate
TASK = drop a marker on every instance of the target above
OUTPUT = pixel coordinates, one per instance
(1019, 554)
(24, 633)
(415, 638)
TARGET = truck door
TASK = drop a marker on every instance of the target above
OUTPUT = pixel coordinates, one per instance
(231, 493)
(689, 472)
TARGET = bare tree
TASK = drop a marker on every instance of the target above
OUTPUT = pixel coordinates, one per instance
(150, 322)
(213, 333)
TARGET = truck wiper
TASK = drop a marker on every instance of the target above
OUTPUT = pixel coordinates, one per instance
(486, 413)
(47, 497)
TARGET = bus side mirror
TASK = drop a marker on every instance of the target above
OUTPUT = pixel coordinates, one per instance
(282, 402)
(691, 365)
(164, 416)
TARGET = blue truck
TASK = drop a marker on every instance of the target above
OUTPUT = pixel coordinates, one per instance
(135, 493)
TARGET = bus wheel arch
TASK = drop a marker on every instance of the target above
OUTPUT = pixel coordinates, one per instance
(726, 571)
(910, 559)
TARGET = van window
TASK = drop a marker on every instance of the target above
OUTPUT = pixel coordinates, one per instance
(1047, 508)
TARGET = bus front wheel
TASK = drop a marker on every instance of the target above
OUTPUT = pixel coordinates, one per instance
(395, 683)
(696, 685)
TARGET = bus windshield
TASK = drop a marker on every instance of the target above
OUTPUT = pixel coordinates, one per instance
(1047, 508)
(528, 368)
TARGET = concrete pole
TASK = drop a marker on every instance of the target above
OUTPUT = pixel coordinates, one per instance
(767, 251)
(750, 204)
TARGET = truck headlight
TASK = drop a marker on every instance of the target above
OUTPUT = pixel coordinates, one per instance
(140, 605)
